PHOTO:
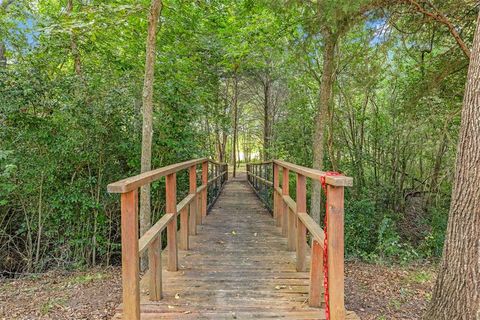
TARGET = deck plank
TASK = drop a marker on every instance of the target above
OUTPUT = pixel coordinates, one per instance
(238, 267)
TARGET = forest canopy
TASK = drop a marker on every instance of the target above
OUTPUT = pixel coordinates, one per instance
(71, 77)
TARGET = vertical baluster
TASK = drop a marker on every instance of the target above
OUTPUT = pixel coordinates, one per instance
(285, 192)
(291, 230)
(275, 195)
(204, 182)
(171, 207)
(192, 179)
(130, 263)
(316, 275)
(336, 251)
(184, 228)
(155, 268)
(301, 229)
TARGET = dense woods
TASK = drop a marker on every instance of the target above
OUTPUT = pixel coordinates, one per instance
(373, 89)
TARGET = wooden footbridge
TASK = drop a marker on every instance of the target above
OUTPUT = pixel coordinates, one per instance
(229, 254)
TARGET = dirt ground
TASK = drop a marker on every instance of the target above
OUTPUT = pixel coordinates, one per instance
(92, 294)
(373, 291)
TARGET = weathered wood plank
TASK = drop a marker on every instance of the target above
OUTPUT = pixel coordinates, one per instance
(316, 174)
(137, 181)
(155, 268)
(238, 266)
(171, 206)
(301, 229)
(336, 251)
(130, 263)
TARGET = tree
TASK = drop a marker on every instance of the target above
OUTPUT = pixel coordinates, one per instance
(333, 23)
(457, 291)
(147, 111)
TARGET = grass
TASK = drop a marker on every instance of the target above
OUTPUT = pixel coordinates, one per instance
(420, 277)
(86, 278)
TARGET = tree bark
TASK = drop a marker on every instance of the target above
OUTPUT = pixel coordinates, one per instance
(147, 111)
(325, 99)
(3, 48)
(3, 57)
(77, 61)
(457, 291)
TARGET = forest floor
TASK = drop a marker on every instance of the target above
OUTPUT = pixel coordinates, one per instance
(373, 291)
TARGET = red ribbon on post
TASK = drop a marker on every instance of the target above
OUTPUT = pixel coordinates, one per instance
(325, 243)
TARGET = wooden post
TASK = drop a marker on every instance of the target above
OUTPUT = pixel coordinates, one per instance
(316, 276)
(275, 195)
(130, 262)
(285, 192)
(171, 207)
(192, 175)
(199, 208)
(184, 228)
(205, 194)
(155, 268)
(301, 229)
(336, 251)
(291, 229)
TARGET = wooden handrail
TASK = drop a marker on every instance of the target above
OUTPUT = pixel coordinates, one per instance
(292, 217)
(139, 180)
(191, 209)
(339, 181)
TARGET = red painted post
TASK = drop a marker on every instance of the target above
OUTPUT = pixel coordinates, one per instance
(130, 262)
(171, 207)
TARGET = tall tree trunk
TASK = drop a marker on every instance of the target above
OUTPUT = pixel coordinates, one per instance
(3, 57)
(235, 122)
(147, 111)
(3, 49)
(457, 291)
(324, 101)
(77, 62)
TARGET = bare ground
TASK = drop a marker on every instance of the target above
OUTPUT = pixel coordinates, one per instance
(373, 291)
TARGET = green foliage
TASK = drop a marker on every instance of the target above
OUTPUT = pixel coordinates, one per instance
(66, 132)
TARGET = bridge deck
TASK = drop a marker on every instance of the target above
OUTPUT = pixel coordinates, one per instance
(238, 267)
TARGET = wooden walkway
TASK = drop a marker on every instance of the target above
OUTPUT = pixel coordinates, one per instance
(238, 267)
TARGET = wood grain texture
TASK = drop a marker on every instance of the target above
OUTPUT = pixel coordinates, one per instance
(204, 193)
(316, 174)
(137, 181)
(315, 298)
(171, 207)
(130, 262)
(155, 269)
(238, 267)
(336, 267)
(192, 179)
(285, 192)
(301, 239)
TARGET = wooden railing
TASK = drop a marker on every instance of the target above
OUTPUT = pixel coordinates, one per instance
(260, 177)
(192, 209)
(291, 215)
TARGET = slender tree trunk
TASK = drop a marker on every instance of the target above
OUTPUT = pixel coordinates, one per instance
(147, 111)
(324, 101)
(457, 291)
(3, 57)
(3, 49)
(235, 123)
(77, 61)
